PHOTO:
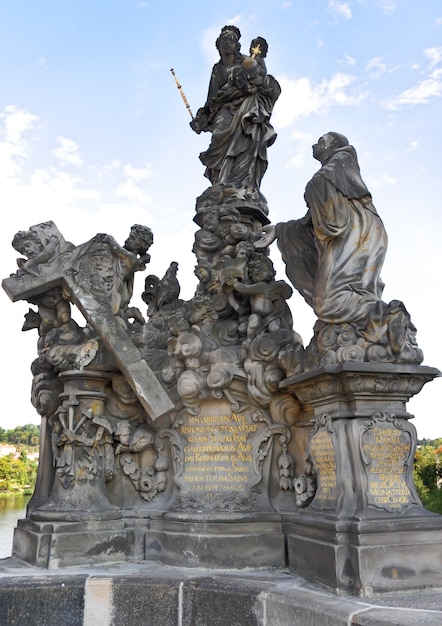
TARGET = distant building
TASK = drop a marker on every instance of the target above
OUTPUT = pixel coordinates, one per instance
(7, 448)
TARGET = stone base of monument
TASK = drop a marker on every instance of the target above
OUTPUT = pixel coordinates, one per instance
(162, 595)
(366, 557)
(63, 544)
(218, 541)
(234, 541)
(365, 530)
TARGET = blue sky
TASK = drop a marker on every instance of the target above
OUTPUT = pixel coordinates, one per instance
(94, 136)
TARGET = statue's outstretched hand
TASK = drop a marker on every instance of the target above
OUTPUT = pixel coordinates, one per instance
(200, 122)
(194, 125)
(268, 237)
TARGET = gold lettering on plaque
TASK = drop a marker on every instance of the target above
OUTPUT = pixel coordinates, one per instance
(218, 453)
(385, 451)
(323, 453)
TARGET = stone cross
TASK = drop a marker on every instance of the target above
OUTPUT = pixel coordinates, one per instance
(98, 278)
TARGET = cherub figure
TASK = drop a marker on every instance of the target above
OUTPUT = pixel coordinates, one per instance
(207, 239)
(248, 75)
(29, 244)
(258, 52)
(115, 267)
(132, 441)
(139, 241)
(269, 310)
(40, 244)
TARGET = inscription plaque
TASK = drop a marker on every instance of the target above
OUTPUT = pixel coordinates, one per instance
(322, 452)
(386, 452)
(218, 458)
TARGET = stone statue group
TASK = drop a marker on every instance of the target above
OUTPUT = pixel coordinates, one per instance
(190, 410)
(334, 254)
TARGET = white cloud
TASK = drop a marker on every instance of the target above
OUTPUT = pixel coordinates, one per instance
(299, 135)
(388, 179)
(422, 93)
(286, 5)
(376, 66)
(301, 97)
(295, 161)
(381, 181)
(13, 147)
(42, 62)
(349, 60)
(17, 122)
(43, 190)
(67, 151)
(138, 173)
(58, 188)
(342, 9)
(208, 39)
(413, 145)
(52, 191)
(434, 54)
(301, 143)
(132, 192)
(389, 6)
(114, 164)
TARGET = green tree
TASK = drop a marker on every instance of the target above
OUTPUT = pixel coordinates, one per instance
(425, 466)
(13, 474)
(427, 470)
(24, 435)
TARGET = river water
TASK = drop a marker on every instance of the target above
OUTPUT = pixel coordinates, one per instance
(12, 509)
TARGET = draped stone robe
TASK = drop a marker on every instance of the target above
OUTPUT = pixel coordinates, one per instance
(334, 255)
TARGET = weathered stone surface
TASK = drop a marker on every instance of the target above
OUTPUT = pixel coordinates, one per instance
(221, 603)
(145, 601)
(42, 601)
(207, 435)
(237, 112)
(234, 541)
(334, 256)
(134, 595)
(66, 544)
(98, 296)
(226, 446)
(363, 528)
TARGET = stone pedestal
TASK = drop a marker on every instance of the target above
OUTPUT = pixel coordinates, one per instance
(227, 465)
(82, 451)
(64, 544)
(365, 530)
(218, 541)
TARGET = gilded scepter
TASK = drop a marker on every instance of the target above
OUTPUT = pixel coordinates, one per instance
(183, 95)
